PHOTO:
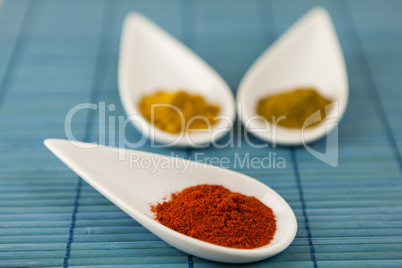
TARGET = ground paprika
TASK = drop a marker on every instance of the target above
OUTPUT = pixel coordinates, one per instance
(216, 215)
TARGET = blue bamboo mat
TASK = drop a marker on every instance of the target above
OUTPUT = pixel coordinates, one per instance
(57, 54)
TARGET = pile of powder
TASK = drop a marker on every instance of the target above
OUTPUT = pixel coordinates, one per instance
(216, 215)
(297, 105)
(179, 111)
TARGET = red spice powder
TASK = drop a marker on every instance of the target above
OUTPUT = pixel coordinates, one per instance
(216, 215)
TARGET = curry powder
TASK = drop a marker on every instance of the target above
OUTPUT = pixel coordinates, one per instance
(178, 111)
(297, 105)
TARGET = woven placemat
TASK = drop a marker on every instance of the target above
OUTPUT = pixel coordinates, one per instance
(57, 54)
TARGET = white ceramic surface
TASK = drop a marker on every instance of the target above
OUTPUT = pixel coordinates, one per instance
(150, 60)
(133, 188)
(308, 54)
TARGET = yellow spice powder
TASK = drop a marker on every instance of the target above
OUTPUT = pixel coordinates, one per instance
(170, 120)
(297, 105)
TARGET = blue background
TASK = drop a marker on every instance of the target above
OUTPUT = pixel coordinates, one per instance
(57, 54)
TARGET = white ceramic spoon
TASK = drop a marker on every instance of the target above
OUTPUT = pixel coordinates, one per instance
(132, 187)
(151, 60)
(306, 55)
